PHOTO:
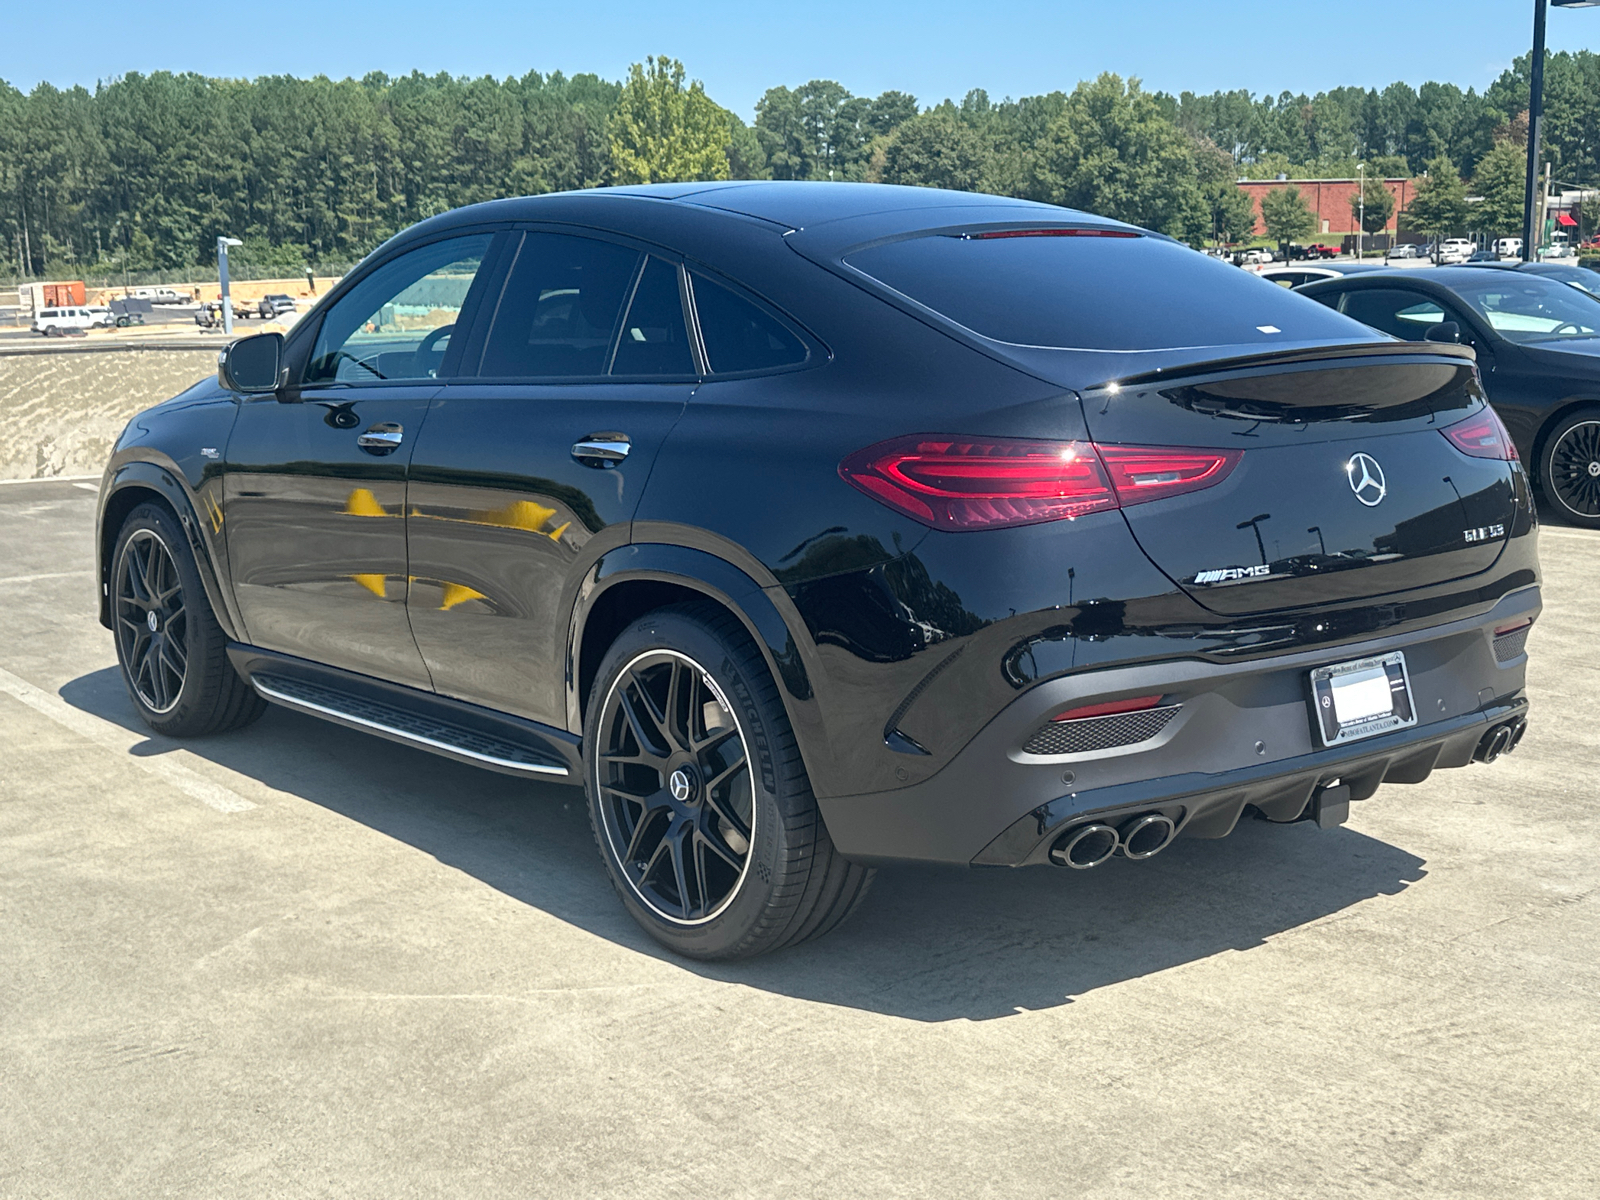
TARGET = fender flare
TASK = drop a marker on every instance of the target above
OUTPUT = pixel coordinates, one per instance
(163, 477)
(713, 577)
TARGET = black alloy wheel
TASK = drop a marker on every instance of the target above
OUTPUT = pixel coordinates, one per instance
(152, 621)
(674, 787)
(1571, 468)
(174, 654)
(698, 797)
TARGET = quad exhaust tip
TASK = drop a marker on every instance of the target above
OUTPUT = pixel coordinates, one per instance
(1502, 739)
(1138, 838)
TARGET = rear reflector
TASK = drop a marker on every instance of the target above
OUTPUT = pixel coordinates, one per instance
(1110, 709)
(1482, 435)
(1513, 627)
(971, 483)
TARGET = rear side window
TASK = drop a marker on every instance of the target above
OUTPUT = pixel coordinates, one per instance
(655, 340)
(739, 336)
(1399, 312)
(1093, 292)
(560, 307)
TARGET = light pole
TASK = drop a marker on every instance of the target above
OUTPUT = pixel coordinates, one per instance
(1532, 221)
(222, 278)
(1361, 221)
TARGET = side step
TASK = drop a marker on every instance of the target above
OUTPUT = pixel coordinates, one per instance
(410, 728)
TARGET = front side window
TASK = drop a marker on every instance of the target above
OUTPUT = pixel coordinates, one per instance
(396, 323)
(558, 312)
(1529, 308)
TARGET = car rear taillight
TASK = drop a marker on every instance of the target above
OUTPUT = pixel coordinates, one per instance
(1482, 435)
(987, 483)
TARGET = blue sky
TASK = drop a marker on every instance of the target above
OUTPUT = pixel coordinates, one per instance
(932, 49)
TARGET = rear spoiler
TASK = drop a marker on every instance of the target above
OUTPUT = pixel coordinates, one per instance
(1276, 358)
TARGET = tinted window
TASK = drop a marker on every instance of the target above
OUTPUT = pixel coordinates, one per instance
(1523, 307)
(1094, 293)
(559, 309)
(396, 323)
(654, 339)
(738, 336)
(1399, 313)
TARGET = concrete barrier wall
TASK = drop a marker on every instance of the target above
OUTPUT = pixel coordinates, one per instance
(60, 412)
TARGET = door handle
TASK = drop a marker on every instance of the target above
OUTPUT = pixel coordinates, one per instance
(383, 438)
(602, 450)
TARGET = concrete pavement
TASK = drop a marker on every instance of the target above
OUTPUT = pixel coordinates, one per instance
(298, 961)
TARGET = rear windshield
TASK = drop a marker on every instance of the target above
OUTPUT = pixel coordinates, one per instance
(1096, 293)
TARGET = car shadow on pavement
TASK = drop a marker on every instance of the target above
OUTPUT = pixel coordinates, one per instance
(928, 944)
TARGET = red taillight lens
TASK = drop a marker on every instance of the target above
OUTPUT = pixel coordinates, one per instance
(1143, 473)
(1110, 709)
(988, 483)
(967, 483)
(1016, 233)
(1482, 435)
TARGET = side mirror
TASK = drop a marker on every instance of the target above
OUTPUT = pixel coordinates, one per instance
(1444, 331)
(251, 364)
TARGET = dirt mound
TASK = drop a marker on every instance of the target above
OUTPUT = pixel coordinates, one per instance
(60, 413)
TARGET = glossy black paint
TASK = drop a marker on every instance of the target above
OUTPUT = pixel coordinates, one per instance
(1531, 386)
(482, 564)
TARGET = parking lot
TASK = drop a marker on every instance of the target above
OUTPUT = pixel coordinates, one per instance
(299, 961)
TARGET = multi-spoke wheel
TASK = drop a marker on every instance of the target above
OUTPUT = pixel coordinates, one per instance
(700, 802)
(151, 623)
(674, 787)
(1570, 468)
(172, 651)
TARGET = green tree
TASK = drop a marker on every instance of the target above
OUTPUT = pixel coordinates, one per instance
(1439, 208)
(1286, 215)
(936, 149)
(664, 130)
(1373, 205)
(1111, 151)
(1501, 180)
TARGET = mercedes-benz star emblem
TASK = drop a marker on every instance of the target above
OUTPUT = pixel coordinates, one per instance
(679, 785)
(1366, 480)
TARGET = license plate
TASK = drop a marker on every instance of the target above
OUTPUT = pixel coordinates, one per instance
(1363, 698)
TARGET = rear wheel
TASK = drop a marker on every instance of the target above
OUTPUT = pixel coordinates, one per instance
(1569, 468)
(172, 651)
(699, 800)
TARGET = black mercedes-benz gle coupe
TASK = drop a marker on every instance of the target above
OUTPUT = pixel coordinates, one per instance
(811, 527)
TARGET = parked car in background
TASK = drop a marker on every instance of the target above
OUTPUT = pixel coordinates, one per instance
(1456, 250)
(274, 303)
(1406, 250)
(101, 315)
(811, 528)
(1537, 342)
(57, 322)
(1255, 256)
(1484, 256)
(1297, 274)
(166, 295)
(1318, 250)
(1508, 247)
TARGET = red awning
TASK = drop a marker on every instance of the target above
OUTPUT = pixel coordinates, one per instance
(1564, 219)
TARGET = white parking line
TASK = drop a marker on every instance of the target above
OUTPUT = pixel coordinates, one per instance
(52, 479)
(5, 579)
(119, 740)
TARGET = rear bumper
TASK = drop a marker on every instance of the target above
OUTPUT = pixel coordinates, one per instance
(1242, 736)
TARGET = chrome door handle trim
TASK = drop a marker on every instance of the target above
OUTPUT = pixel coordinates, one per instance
(382, 438)
(602, 449)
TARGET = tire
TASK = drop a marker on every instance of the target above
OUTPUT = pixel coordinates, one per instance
(713, 859)
(172, 652)
(1569, 468)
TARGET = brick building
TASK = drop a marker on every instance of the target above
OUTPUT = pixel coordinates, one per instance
(1329, 202)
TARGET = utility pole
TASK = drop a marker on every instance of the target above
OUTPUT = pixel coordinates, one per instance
(222, 278)
(1532, 223)
(1544, 208)
(1361, 233)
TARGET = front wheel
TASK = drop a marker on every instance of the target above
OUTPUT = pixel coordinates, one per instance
(1569, 468)
(172, 652)
(698, 797)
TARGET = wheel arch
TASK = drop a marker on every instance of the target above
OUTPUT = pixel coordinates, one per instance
(134, 483)
(630, 581)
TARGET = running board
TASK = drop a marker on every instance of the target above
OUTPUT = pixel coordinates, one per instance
(407, 727)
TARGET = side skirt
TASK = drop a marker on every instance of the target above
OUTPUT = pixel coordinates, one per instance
(468, 733)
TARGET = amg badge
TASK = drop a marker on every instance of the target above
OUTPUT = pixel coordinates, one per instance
(1229, 574)
(1484, 533)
